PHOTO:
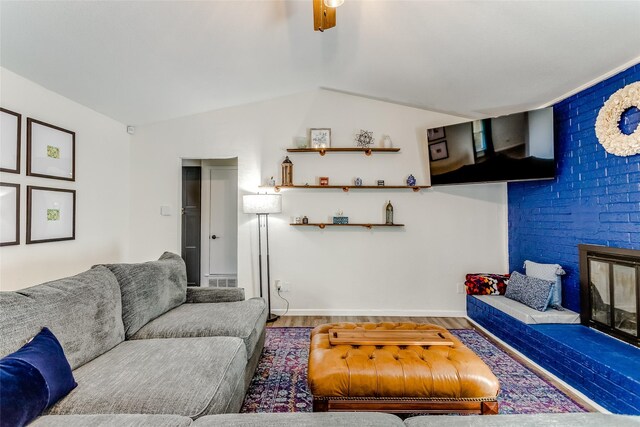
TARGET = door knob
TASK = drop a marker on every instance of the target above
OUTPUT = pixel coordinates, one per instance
(214, 237)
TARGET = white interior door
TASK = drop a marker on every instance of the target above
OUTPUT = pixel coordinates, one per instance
(220, 226)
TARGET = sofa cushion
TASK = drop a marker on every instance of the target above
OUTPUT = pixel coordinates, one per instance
(564, 420)
(198, 294)
(526, 314)
(120, 420)
(320, 419)
(84, 312)
(187, 376)
(150, 289)
(242, 319)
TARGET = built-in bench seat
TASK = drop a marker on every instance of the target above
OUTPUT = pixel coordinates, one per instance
(527, 314)
(603, 368)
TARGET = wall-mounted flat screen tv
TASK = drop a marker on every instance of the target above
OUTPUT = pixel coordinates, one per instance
(516, 147)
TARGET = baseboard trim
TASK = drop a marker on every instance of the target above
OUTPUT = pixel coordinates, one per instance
(513, 350)
(364, 312)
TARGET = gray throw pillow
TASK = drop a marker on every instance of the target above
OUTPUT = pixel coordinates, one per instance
(552, 272)
(530, 291)
(150, 289)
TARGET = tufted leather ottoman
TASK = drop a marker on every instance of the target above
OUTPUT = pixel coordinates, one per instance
(398, 379)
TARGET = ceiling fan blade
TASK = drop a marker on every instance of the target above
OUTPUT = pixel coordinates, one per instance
(323, 17)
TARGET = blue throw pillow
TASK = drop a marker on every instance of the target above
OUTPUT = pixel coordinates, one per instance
(32, 379)
(530, 291)
(23, 393)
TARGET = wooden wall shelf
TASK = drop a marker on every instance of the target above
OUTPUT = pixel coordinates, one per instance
(346, 188)
(365, 225)
(323, 151)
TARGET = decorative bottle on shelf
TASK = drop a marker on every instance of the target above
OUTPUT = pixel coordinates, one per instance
(287, 172)
(389, 218)
(305, 220)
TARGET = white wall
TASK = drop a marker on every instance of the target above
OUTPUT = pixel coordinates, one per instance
(102, 188)
(415, 270)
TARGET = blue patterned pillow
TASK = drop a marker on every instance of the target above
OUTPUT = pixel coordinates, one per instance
(530, 291)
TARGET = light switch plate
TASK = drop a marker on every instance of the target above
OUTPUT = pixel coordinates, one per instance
(165, 210)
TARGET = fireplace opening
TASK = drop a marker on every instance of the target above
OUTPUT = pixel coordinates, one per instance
(610, 291)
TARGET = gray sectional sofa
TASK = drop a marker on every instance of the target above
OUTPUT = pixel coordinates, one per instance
(344, 419)
(140, 342)
(147, 351)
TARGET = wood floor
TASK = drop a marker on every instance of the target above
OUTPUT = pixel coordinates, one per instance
(312, 321)
(445, 322)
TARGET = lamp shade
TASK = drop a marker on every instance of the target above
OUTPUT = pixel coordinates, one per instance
(262, 203)
(333, 3)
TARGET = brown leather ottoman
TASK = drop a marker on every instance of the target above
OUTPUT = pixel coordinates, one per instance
(399, 379)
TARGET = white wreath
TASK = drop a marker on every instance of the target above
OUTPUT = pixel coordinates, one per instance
(607, 123)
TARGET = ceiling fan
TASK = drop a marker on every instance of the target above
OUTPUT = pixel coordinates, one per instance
(324, 14)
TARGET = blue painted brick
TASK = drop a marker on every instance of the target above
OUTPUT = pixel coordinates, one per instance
(595, 194)
(563, 351)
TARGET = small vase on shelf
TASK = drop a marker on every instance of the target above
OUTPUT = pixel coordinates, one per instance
(389, 214)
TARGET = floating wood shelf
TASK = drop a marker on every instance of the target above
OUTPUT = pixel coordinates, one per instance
(346, 188)
(323, 151)
(365, 225)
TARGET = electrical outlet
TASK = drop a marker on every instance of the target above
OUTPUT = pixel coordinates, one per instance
(278, 284)
(286, 287)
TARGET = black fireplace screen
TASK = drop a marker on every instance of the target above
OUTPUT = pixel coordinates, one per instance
(610, 290)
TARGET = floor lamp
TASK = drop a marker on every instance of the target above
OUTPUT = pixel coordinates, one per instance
(263, 205)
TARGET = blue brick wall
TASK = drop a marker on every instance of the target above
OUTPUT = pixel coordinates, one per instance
(604, 369)
(594, 199)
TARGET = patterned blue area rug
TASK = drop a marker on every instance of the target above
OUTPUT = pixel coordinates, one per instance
(280, 382)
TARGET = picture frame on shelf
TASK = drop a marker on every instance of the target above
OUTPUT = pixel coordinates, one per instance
(438, 151)
(320, 137)
(435, 134)
(10, 128)
(51, 151)
(9, 214)
(51, 214)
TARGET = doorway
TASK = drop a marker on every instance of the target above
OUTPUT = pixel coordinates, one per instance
(218, 226)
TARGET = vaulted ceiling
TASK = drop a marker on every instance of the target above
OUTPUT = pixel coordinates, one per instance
(141, 62)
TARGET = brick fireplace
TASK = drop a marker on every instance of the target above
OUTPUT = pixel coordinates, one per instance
(610, 291)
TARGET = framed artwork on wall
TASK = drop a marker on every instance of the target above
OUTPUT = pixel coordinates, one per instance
(438, 151)
(10, 128)
(320, 138)
(51, 151)
(9, 214)
(51, 214)
(435, 134)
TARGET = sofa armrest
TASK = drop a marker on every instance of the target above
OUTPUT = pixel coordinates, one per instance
(196, 294)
